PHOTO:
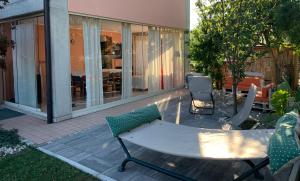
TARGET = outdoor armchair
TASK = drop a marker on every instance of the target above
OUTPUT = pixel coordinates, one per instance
(201, 92)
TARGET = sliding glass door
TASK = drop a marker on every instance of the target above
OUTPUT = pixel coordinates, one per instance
(78, 73)
(112, 61)
(24, 63)
(25, 72)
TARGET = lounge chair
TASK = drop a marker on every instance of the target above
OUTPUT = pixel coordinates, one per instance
(144, 129)
(200, 88)
(244, 113)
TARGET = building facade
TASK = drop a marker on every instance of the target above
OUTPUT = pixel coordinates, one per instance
(103, 53)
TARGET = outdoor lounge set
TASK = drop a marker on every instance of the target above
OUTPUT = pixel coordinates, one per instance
(279, 148)
(263, 94)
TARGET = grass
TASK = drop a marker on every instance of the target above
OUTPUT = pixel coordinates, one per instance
(34, 165)
(269, 120)
(9, 138)
(31, 164)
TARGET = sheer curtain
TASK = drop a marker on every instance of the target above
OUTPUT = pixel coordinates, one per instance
(168, 45)
(178, 59)
(154, 60)
(126, 61)
(93, 61)
(24, 63)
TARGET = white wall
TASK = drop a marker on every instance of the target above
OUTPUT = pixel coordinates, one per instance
(20, 7)
(171, 13)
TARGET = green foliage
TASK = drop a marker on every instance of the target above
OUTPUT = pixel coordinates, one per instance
(269, 120)
(279, 101)
(229, 30)
(3, 3)
(287, 20)
(4, 44)
(205, 52)
(9, 138)
(284, 86)
(297, 95)
(31, 164)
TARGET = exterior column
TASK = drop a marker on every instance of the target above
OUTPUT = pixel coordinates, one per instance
(60, 54)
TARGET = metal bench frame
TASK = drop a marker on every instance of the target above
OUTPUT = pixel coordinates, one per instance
(254, 168)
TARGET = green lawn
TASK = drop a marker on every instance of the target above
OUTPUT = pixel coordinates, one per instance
(31, 164)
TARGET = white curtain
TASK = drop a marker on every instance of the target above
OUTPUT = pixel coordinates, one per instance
(140, 62)
(178, 59)
(154, 59)
(24, 63)
(168, 46)
(93, 61)
(126, 61)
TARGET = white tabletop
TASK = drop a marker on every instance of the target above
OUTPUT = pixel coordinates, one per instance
(200, 143)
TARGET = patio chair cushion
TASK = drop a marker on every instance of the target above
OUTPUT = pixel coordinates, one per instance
(284, 146)
(126, 122)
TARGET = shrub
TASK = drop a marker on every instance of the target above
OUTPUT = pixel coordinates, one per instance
(279, 101)
(9, 137)
(284, 86)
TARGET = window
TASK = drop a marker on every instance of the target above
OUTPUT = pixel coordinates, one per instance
(78, 75)
(111, 50)
(111, 60)
(25, 74)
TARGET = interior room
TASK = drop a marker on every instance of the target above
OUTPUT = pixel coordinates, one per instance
(111, 50)
(25, 68)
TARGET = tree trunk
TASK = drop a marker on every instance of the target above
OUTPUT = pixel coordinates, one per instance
(234, 92)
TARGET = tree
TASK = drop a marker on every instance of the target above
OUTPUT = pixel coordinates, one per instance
(3, 3)
(236, 24)
(205, 50)
(4, 42)
(245, 24)
(287, 21)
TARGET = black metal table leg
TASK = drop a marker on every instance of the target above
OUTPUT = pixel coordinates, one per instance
(257, 175)
(148, 165)
(256, 168)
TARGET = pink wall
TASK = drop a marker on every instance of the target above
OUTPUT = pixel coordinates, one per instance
(169, 13)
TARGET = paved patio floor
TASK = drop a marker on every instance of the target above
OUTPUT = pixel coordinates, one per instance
(96, 149)
(38, 131)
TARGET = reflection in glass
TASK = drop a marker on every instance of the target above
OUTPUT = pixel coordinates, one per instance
(25, 73)
(78, 76)
(111, 50)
